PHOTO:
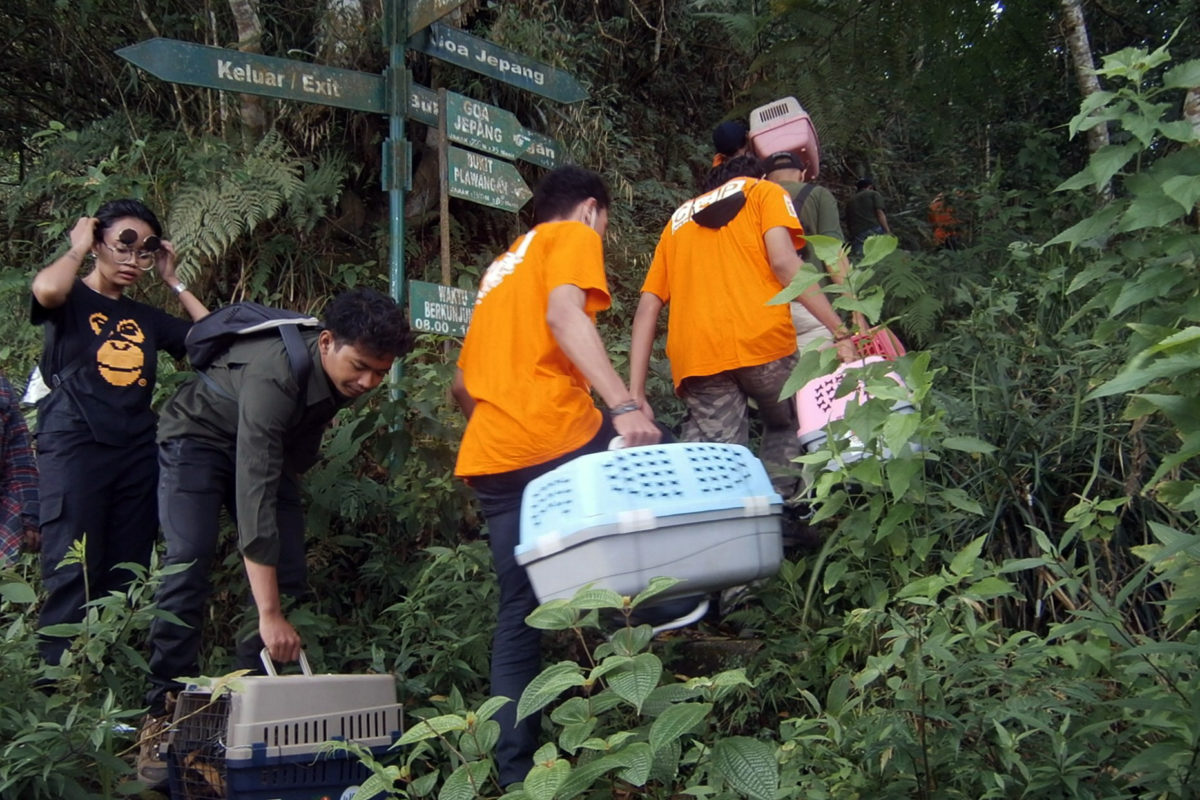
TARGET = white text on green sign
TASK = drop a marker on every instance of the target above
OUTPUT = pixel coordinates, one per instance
(484, 124)
(231, 70)
(485, 180)
(479, 55)
(434, 308)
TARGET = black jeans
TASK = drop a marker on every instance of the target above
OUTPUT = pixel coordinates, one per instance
(195, 481)
(106, 493)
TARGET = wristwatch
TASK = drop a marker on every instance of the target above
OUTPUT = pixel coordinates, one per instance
(180, 287)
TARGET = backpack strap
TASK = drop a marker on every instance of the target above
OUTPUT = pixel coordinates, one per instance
(799, 197)
(298, 357)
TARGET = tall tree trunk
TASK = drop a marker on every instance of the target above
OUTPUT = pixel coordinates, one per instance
(249, 27)
(1085, 67)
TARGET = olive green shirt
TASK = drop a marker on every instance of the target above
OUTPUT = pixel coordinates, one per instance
(818, 215)
(259, 421)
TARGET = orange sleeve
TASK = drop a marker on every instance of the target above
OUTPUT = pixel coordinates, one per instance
(577, 258)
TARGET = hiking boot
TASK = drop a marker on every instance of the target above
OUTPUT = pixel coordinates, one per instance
(152, 755)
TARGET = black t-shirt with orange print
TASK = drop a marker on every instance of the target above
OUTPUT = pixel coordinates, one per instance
(109, 394)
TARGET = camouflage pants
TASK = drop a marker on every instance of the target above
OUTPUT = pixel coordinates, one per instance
(719, 411)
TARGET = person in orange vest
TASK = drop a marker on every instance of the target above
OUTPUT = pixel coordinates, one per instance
(945, 223)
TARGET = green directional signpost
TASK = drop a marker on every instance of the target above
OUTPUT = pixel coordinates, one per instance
(483, 127)
(479, 55)
(486, 180)
(219, 68)
(408, 25)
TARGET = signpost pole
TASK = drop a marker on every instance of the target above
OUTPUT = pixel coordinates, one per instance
(443, 187)
(397, 10)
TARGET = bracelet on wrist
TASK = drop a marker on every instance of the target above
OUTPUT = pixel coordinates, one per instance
(179, 287)
(624, 408)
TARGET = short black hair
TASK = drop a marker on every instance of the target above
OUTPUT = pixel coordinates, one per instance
(863, 183)
(114, 210)
(746, 165)
(367, 319)
(560, 190)
(729, 137)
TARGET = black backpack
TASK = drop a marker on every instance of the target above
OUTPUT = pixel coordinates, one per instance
(215, 333)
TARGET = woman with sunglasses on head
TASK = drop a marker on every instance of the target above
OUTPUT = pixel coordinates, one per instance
(97, 462)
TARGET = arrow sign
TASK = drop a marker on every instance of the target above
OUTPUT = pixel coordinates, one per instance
(479, 55)
(232, 70)
(485, 180)
(483, 127)
(423, 12)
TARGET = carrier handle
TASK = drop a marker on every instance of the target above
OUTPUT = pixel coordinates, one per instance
(269, 665)
(617, 443)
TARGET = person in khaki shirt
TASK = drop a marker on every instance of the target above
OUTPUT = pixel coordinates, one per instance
(240, 436)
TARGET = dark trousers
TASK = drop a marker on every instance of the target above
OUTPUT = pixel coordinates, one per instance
(195, 481)
(516, 647)
(106, 493)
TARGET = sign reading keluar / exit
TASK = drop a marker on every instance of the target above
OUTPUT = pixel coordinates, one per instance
(220, 68)
(434, 308)
(479, 55)
(484, 180)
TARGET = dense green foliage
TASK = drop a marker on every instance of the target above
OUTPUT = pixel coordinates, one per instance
(1005, 607)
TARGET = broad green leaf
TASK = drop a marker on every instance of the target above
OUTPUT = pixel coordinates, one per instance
(584, 775)
(556, 615)
(478, 742)
(827, 248)
(466, 782)
(572, 712)
(1183, 76)
(989, 588)
(748, 765)
(657, 586)
(489, 708)
(805, 277)
(587, 599)
(631, 641)
(1097, 271)
(1150, 211)
(1137, 378)
(433, 727)
(544, 780)
(1096, 226)
(634, 681)
(547, 686)
(967, 444)
(963, 562)
(609, 664)
(18, 592)
(898, 430)
(928, 587)
(877, 248)
(573, 736)
(675, 722)
(1183, 189)
(1108, 160)
(638, 758)
(962, 501)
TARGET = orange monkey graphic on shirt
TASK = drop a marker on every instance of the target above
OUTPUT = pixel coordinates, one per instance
(120, 358)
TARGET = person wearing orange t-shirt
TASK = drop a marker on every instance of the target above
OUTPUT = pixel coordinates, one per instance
(721, 257)
(529, 363)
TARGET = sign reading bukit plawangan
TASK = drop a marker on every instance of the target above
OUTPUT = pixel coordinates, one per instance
(485, 180)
